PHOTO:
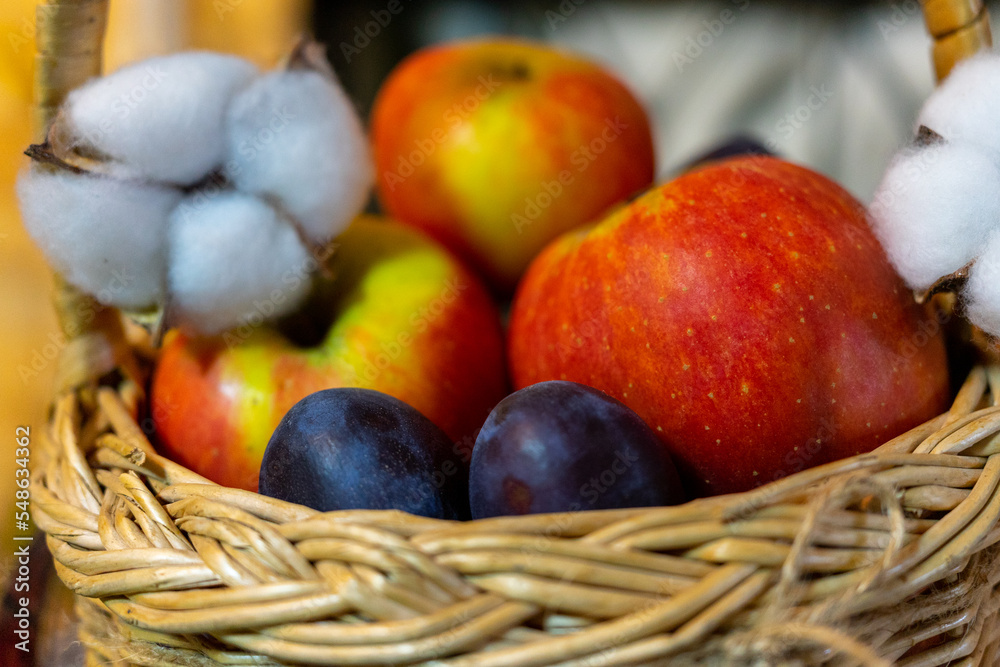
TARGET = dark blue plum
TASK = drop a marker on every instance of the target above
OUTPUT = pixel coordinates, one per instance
(349, 448)
(564, 447)
(735, 147)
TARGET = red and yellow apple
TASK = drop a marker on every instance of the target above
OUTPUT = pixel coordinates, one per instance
(401, 316)
(747, 313)
(496, 147)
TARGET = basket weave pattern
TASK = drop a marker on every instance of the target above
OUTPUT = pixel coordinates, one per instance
(885, 558)
(867, 557)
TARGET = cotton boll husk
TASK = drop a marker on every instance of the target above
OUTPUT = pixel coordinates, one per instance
(107, 237)
(966, 106)
(161, 118)
(233, 261)
(295, 136)
(982, 291)
(934, 209)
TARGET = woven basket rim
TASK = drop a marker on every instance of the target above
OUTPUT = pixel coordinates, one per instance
(883, 557)
(162, 555)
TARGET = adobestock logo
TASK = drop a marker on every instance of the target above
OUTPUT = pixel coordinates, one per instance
(86, 312)
(29, 27)
(264, 309)
(419, 322)
(900, 16)
(453, 118)
(903, 180)
(581, 158)
(123, 106)
(696, 45)
(363, 35)
(249, 148)
(796, 119)
(127, 102)
(562, 13)
(600, 484)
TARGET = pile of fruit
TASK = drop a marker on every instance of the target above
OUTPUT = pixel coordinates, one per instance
(535, 326)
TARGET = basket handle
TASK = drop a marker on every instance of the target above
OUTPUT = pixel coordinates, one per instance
(960, 28)
(68, 52)
(69, 41)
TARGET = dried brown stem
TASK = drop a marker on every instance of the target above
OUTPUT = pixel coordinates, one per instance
(953, 282)
(308, 54)
(43, 154)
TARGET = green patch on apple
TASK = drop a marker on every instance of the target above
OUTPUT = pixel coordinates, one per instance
(400, 315)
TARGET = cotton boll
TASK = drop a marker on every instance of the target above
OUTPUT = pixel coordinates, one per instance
(232, 260)
(294, 135)
(106, 237)
(966, 106)
(161, 118)
(982, 291)
(934, 210)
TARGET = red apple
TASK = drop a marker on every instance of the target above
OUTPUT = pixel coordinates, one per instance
(496, 147)
(747, 313)
(401, 316)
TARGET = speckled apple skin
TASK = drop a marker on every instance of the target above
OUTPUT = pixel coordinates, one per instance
(497, 146)
(747, 313)
(408, 320)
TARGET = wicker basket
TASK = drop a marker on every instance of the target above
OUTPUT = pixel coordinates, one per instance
(889, 557)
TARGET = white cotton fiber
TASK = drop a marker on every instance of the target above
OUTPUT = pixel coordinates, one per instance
(934, 209)
(982, 291)
(161, 118)
(295, 136)
(966, 106)
(104, 236)
(233, 261)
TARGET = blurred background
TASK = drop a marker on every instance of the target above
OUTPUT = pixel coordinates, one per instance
(833, 85)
